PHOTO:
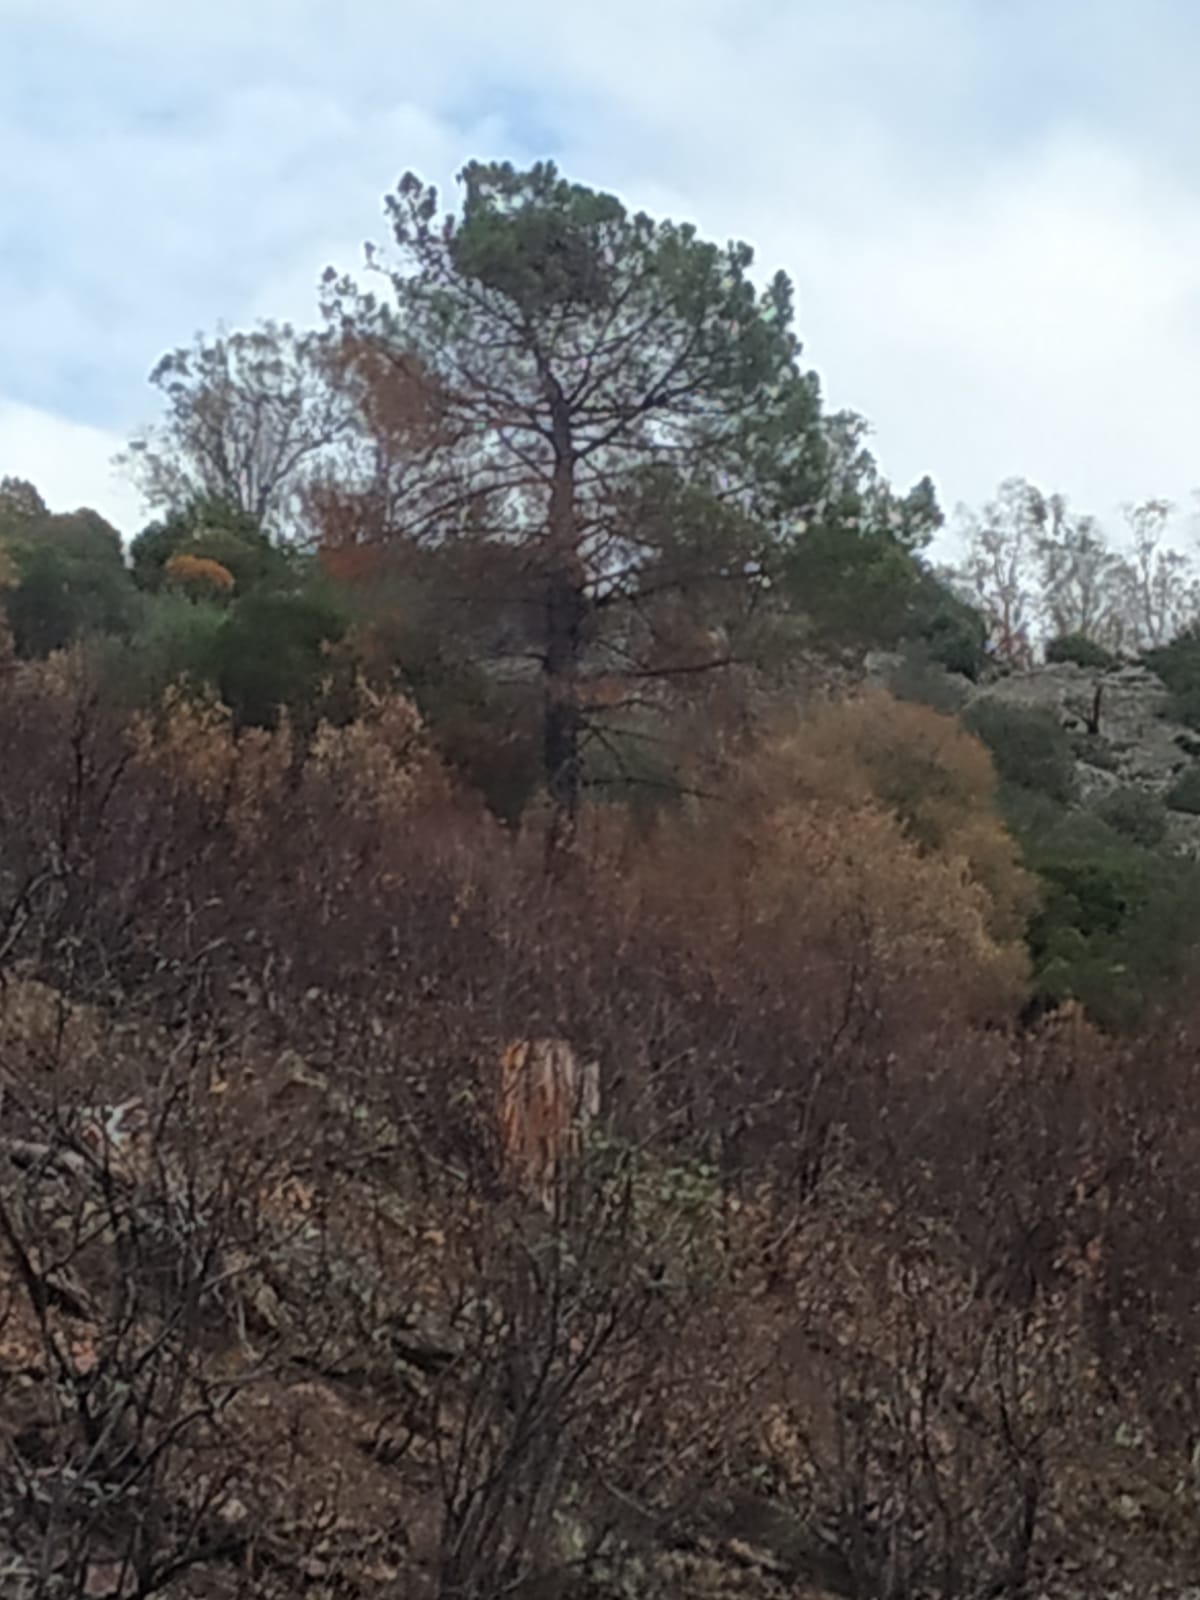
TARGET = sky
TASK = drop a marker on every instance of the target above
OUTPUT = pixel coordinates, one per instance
(990, 208)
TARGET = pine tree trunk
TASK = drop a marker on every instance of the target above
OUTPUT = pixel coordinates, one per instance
(565, 609)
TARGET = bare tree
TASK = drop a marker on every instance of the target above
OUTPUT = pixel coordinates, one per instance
(999, 574)
(1083, 580)
(249, 416)
(1162, 589)
(126, 1252)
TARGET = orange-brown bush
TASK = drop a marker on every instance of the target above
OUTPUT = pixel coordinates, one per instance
(199, 574)
(930, 773)
(827, 950)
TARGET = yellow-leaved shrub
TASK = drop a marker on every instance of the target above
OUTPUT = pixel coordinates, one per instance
(856, 850)
(928, 772)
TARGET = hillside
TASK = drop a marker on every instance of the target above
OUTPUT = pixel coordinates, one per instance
(852, 1291)
(1121, 731)
(577, 1021)
(1118, 719)
(243, 1352)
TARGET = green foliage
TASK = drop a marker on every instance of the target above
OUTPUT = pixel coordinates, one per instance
(274, 653)
(1084, 652)
(1184, 706)
(696, 358)
(68, 580)
(20, 504)
(1135, 814)
(535, 239)
(914, 518)
(856, 588)
(865, 588)
(210, 529)
(1029, 747)
(919, 678)
(856, 497)
(1119, 923)
(153, 548)
(696, 546)
(487, 732)
(1178, 665)
(176, 639)
(1030, 815)
(1184, 794)
(1119, 919)
(955, 632)
(435, 621)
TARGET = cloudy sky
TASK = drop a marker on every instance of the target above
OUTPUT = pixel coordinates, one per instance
(990, 208)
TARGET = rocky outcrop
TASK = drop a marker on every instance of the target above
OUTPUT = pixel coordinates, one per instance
(1119, 721)
(1122, 733)
(1119, 717)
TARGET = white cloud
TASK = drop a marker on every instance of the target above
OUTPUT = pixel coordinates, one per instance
(989, 212)
(1046, 327)
(70, 462)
